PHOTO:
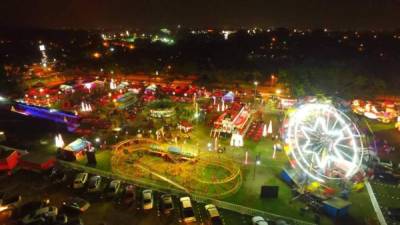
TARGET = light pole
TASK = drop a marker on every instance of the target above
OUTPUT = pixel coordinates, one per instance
(257, 162)
(255, 90)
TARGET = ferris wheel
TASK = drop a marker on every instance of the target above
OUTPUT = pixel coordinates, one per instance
(324, 142)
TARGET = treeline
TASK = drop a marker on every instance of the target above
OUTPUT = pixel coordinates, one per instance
(346, 64)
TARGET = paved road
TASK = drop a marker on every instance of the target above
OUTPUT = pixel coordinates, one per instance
(34, 187)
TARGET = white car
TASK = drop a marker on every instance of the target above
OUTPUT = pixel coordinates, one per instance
(147, 199)
(41, 215)
(258, 220)
(187, 210)
(80, 180)
(10, 202)
(213, 214)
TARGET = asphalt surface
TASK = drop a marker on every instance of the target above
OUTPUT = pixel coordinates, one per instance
(33, 186)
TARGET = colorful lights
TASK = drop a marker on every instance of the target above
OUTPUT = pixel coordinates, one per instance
(324, 142)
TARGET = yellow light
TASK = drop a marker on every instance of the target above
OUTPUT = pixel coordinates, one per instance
(96, 55)
(278, 91)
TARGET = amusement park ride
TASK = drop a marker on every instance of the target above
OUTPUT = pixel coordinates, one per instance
(326, 154)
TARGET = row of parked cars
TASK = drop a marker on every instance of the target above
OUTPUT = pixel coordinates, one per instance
(125, 194)
(93, 185)
(41, 212)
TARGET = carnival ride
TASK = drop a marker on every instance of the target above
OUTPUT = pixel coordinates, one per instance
(324, 143)
(326, 154)
(150, 161)
(231, 120)
(58, 116)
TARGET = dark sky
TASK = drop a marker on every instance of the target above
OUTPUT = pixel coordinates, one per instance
(334, 14)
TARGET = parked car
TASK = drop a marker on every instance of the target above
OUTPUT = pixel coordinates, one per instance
(57, 176)
(167, 203)
(41, 215)
(147, 199)
(386, 163)
(61, 219)
(74, 221)
(76, 204)
(113, 188)
(32, 206)
(258, 220)
(387, 178)
(129, 195)
(394, 213)
(187, 210)
(80, 180)
(213, 214)
(7, 202)
(281, 222)
(94, 184)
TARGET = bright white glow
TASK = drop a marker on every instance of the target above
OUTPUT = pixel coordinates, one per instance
(236, 140)
(269, 130)
(42, 48)
(97, 140)
(88, 86)
(370, 115)
(59, 141)
(113, 85)
(324, 142)
(264, 133)
(2, 99)
(86, 107)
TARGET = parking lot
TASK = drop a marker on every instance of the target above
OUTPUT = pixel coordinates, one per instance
(32, 186)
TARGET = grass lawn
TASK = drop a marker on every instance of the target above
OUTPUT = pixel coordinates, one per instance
(103, 160)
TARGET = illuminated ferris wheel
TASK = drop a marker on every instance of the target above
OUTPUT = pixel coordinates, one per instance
(324, 142)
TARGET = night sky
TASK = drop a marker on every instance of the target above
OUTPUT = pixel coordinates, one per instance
(334, 14)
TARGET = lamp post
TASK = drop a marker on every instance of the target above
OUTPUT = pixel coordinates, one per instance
(255, 90)
(257, 162)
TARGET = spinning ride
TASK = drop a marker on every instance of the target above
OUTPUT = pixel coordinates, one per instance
(323, 142)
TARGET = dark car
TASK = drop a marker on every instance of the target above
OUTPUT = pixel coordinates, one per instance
(112, 189)
(32, 206)
(129, 195)
(7, 202)
(94, 185)
(167, 204)
(74, 221)
(76, 204)
(387, 178)
(57, 176)
(61, 219)
(394, 213)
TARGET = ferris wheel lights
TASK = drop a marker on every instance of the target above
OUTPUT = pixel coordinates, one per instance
(323, 142)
